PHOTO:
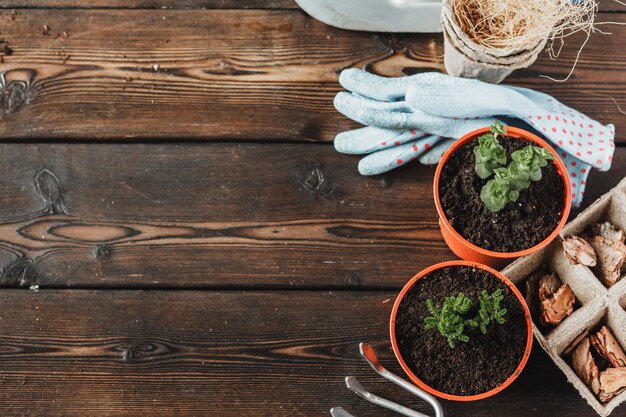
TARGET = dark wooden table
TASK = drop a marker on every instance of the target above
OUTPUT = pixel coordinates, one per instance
(169, 183)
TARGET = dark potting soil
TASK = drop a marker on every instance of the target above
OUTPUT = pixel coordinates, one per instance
(481, 364)
(519, 225)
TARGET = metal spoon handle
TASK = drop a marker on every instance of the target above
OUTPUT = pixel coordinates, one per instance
(355, 386)
(370, 357)
(415, 391)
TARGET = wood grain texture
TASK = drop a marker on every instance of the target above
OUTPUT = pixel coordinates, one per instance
(216, 215)
(181, 353)
(604, 5)
(152, 4)
(234, 75)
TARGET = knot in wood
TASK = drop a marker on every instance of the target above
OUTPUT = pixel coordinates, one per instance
(353, 279)
(50, 191)
(393, 41)
(13, 95)
(102, 251)
(135, 352)
(19, 274)
(314, 181)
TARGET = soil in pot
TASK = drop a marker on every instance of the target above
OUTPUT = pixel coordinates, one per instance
(519, 225)
(474, 367)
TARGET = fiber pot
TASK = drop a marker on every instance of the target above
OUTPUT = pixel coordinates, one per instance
(523, 318)
(463, 57)
(470, 251)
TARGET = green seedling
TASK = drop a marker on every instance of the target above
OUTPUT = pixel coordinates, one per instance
(507, 182)
(450, 320)
(489, 153)
(490, 310)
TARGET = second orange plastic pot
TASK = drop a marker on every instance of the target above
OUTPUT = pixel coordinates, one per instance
(422, 384)
(467, 250)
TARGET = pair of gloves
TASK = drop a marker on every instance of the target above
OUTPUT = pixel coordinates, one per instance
(420, 116)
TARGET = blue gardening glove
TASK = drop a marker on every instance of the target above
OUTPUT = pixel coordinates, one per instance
(449, 107)
(398, 135)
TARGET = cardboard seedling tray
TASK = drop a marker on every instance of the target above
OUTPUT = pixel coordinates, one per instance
(596, 305)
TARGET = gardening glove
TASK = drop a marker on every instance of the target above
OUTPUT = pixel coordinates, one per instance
(398, 134)
(388, 148)
(451, 107)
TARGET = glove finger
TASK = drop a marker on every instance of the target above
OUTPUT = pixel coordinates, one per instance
(448, 96)
(390, 158)
(392, 116)
(436, 125)
(371, 139)
(345, 101)
(433, 156)
(374, 86)
(371, 112)
(361, 108)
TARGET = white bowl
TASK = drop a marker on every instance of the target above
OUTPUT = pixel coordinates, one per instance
(377, 15)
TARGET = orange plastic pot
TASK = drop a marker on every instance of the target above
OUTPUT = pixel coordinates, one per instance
(467, 250)
(422, 384)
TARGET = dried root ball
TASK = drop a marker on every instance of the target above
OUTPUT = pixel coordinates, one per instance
(514, 25)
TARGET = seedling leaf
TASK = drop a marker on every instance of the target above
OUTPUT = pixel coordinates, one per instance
(507, 182)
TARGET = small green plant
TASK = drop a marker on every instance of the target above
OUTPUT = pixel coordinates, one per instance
(507, 182)
(530, 160)
(489, 153)
(497, 194)
(490, 310)
(449, 319)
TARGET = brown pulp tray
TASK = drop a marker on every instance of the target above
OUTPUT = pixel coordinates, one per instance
(595, 304)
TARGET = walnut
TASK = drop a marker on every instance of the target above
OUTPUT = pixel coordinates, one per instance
(605, 344)
(612, 383)
(579, 251)
(556, 300)
(585, 366)
(610, 250)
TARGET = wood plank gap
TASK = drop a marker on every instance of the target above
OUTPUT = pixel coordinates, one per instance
(214, 288)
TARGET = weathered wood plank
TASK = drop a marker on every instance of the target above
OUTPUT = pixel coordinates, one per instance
(152, 4)
(181, 353)
(218, 215)
(223, 215)
(604, 5)
(229, 75)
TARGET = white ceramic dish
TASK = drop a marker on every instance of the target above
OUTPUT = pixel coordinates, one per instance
(377, 15)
